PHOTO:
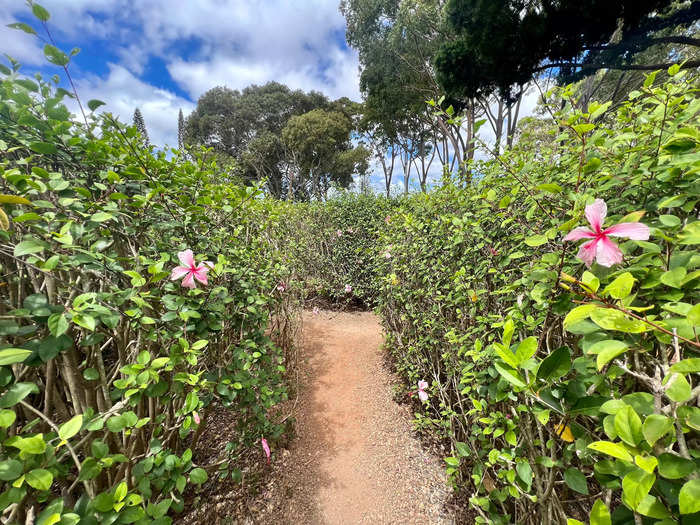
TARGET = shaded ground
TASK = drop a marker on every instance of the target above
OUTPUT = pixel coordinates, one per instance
(354, 459)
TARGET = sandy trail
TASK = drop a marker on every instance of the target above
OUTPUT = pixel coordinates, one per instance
(354, 459)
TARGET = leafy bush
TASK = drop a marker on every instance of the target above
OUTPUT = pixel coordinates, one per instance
(334, 244)
(108, 368)
(564, 392)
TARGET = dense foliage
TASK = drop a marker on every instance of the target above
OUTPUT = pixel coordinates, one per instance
(109, 368)
(563, 390)
(335, 244)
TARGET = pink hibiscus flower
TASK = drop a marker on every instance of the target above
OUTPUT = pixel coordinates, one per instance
(601, 248)
(190, 271)
(422, 394)
(266, 448)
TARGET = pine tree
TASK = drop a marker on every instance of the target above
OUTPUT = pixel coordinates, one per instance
(181, 131)
(141, 126)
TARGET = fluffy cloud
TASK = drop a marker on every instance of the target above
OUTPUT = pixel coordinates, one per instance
(123, 93)
(201, 44)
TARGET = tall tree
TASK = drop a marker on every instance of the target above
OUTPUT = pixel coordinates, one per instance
(500, 44)
(319, 142)
(140, 125)
(180, 131)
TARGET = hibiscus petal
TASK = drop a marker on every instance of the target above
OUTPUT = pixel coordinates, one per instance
(587, 252)
(266, 448)
(596, 213)
(579, 233)
(422, 385)
(422, 395)
(200, 273)
(186, 258)
(178, 272)
(608, 253)
(633, 230)
(188, 282)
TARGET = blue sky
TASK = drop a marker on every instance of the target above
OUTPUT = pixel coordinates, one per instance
(161, 55)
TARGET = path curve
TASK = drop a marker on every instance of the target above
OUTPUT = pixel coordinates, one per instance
(354, 458)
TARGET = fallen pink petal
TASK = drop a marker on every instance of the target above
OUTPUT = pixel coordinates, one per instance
(196, 418)
(348, 288)
(266, 448)
(600, 248)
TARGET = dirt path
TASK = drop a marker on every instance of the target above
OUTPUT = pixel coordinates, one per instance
(354, 459)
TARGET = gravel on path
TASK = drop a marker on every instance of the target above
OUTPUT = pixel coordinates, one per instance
(355, 458)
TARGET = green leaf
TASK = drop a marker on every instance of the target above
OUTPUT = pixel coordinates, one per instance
(646, 463)
(58, 324)
(198, 476)
(55, 55)
(689, 497)
(524, 471)
(575, 479)
(678, 388)
(101, 216)
(579, 314)
(628, 426)
(600, 514)
(40, 479)
(550, 188)
(690, 234)
(555, 365)
(7, 417)
(674, 278)
(41, 13)
(611, 449)
(10, 469)
(104, 502)
(686, 366)
(84, 320)
(71, 427)
(610, 319)
(120, 492)
(505, 354)
(9, 356)
(510, 375)
(635, 487)
(672, 466)
(17, 393)
(607, 350)
(44, 148)
(28, 247)
(94, 104)
(13, 199)
(591, 281)
(22, 27)
(621, 287)
(536, 240)
(652, 507)
(655, 427)
(526, 349)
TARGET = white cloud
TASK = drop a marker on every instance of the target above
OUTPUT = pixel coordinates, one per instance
(123, 93)
(19, 45)
(339, 79)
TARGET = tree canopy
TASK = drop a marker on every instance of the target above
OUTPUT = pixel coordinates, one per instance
(250, 126)
(500, 44)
